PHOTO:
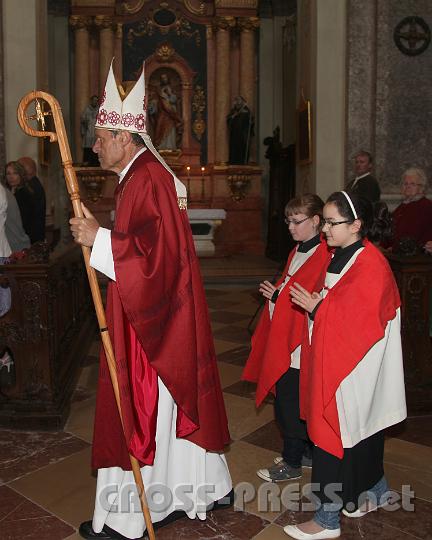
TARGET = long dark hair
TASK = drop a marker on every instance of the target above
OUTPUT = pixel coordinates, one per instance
(362, 206)
(19, 169)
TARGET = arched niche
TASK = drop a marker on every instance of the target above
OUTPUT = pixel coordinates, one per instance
(165, 59)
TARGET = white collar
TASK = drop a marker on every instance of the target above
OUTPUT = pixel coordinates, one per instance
(123, 173)
(362, 176)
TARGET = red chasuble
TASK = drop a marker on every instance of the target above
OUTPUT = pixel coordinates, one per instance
(158, 321)
(350, 320)
(274, 340)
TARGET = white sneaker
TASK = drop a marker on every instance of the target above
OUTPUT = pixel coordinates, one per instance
(295, 532)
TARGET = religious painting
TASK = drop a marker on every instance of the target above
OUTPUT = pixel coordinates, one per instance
(164, 109)
(304, 133)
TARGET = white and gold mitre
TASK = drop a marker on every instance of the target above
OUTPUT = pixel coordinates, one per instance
(119, 110)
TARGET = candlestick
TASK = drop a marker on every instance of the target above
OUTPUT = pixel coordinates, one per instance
(202, 184)
(188, 179)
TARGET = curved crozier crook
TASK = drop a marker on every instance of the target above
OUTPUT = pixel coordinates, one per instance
(23, 118)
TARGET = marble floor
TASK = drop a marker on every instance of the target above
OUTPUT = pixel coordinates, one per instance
(47, 487)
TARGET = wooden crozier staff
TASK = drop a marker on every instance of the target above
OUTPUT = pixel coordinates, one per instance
(72, 186)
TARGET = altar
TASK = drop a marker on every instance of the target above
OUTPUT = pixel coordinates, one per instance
(199, 61)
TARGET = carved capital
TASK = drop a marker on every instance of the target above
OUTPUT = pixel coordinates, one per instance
(103, 22)
(209, 31)
(248, 24)
(79, 22)
(224, 23)
(119, 30)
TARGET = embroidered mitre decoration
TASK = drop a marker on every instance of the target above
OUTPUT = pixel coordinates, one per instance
(130, 114)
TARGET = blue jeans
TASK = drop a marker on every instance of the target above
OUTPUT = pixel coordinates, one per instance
(328, 514)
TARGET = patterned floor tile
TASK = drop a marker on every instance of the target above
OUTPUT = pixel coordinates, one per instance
(242, 388)
(220, 303)
(267, 436)
(67, 488)
(236, 334)
(228, 373)
(227, 317)
(224, 524)
(22, 452)
(223, 347)
(243, 417)
(417, 430)
(236, 355)
(22, 519)
(81, 419)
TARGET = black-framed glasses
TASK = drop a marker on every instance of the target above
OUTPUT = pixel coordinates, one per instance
(333, 223)
(295, 221)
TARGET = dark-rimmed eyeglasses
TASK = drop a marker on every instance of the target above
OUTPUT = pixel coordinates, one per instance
(333, 223)
(295, 221)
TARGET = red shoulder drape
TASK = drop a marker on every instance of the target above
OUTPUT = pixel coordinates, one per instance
(274, 340)
(350, 320)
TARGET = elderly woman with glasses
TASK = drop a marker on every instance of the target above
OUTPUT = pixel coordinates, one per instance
(413, 217)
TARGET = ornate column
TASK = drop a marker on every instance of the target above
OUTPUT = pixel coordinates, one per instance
(187, 99)
(222, 98)
(80, 25)
(118, 52)
(211, 81)
(247, 58)
(106, 47)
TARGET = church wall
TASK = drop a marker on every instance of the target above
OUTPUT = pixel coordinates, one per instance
(20, 72)
(59, 85)
(403, 97)
(329, 147)
(321, 61)
(270, 95)
(389, 93)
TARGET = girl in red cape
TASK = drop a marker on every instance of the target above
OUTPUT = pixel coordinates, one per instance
(274, 361)
(352, 383)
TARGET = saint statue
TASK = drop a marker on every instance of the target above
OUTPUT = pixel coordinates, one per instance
(241, 129)
(164, 116)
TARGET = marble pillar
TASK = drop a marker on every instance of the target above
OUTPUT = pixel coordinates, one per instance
(187, 98)
(222, 98)
(247, 58)
(211, 77)
(106, 47)
(361, 79)
(80, 25)
(118, 52)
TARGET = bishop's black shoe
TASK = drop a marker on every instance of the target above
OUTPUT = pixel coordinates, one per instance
(86, 531)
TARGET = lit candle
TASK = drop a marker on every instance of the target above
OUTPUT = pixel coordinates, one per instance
(202, 184)
(188, 178)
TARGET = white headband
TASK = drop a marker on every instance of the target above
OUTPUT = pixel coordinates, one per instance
(350, 203)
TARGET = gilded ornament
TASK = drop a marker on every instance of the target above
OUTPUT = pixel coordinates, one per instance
(198, 107)
(119, 30)
(133, 7)
(248, 24)
(103, 22)
(251, 4)
(199, 127)
(239, 185)
(148, 27)
(165, 52)
(224, 23)
(78, 22)
(182, 203)
(195, 10)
